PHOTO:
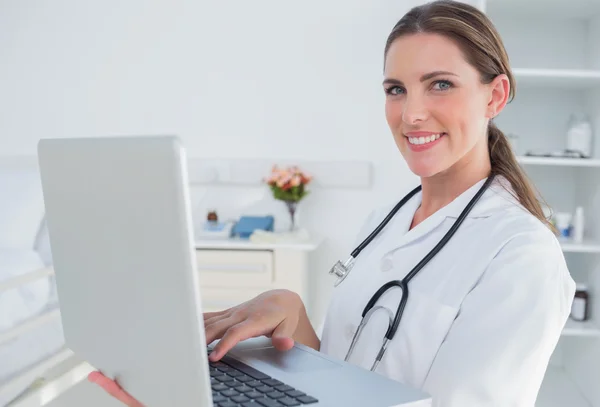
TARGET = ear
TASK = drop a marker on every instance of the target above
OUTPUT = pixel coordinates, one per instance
(499, 94)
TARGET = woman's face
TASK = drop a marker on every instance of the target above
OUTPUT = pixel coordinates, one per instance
(436, 106)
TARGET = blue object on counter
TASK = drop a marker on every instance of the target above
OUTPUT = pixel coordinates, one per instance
(214, 230)
(214, 226)
(248, 224)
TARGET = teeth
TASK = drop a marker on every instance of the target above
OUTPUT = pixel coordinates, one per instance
(424, 140)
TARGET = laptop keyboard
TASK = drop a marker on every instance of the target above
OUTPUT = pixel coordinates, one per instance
(235, 384)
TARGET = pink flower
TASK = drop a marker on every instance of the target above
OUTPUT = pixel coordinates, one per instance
(296, 180)
(286, 178)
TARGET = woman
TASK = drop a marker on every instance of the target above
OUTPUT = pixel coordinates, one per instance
(484, 315)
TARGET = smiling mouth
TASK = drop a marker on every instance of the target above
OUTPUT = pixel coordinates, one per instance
(424, 140)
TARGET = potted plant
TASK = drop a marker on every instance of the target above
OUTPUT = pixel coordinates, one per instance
(289, 185)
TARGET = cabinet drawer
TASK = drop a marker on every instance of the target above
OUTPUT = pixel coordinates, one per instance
(218, 299)
(233, 268)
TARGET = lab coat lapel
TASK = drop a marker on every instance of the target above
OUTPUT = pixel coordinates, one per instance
(401, 236)
(417, 232)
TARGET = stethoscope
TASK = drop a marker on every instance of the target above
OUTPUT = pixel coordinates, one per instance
(341, 270)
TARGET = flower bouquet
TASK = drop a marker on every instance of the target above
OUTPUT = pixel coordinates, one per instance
(289, 185)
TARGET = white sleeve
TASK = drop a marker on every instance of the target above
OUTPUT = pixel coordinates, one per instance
(497, 351)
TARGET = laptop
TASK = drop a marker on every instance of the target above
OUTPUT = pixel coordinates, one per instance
(121, 234)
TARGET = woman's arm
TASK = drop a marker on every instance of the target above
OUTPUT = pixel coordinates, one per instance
(499, 346)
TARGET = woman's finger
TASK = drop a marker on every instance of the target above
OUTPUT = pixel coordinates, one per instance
(235, 334)
(112, 388)
(217, 329)
(208, 315)
(216, 318)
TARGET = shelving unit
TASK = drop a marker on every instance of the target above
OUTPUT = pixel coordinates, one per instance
(587, 328)
(559, 161)
(560, 78)
(555, 57)
(583, 247)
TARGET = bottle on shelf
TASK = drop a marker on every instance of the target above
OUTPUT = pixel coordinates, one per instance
(563, 224)
(580, 306)
(579, 135)
(578, 225)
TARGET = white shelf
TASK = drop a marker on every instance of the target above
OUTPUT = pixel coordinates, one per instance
(561, 78)
(559, 161)
(587, 329)
(583, 247)
(558, 390)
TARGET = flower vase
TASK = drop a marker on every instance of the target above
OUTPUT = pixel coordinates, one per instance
(292, 206)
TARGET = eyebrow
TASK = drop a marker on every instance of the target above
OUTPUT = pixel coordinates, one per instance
(425, 77)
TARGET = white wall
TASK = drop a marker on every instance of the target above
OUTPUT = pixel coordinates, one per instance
(234, 79)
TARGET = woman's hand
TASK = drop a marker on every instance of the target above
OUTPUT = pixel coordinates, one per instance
(112, 388)
(278, 314)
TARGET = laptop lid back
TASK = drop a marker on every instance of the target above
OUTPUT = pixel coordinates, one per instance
(121, 234)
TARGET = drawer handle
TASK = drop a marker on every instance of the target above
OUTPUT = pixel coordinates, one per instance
(250, 268)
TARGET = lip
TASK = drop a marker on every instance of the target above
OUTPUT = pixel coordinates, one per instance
(422, 147)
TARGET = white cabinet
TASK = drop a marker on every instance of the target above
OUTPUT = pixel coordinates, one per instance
(232, 272)
(554, 50)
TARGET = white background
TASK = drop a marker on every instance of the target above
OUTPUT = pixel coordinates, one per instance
(234, 79)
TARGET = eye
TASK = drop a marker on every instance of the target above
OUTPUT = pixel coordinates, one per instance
(394, 90)
(442, 85)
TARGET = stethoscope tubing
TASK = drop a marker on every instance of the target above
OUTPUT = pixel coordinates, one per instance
(403, 284)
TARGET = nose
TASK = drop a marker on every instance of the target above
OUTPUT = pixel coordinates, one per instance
(414, 110)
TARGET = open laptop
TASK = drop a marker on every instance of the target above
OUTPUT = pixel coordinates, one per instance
(120, 227)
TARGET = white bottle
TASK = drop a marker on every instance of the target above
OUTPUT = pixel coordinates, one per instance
(563, 224)
(578, 225)
(579, 135)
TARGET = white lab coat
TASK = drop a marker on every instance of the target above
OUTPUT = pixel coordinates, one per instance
(482, 318)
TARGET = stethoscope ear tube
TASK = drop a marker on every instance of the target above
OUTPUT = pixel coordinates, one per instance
(394, 328)
(450, 232)
(370, 308)
(385, 221)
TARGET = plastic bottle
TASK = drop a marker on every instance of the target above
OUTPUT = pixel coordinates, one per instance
(563, 224)
(579, 135)
(578, 225)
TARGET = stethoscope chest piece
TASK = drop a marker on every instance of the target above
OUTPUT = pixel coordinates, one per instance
(341, 270)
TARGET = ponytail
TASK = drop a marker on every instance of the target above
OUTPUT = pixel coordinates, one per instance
(504, 164)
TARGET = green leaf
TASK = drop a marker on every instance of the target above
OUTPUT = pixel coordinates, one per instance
(295, 194)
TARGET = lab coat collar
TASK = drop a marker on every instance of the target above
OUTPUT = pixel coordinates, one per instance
(498, 196)
(495, 198)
